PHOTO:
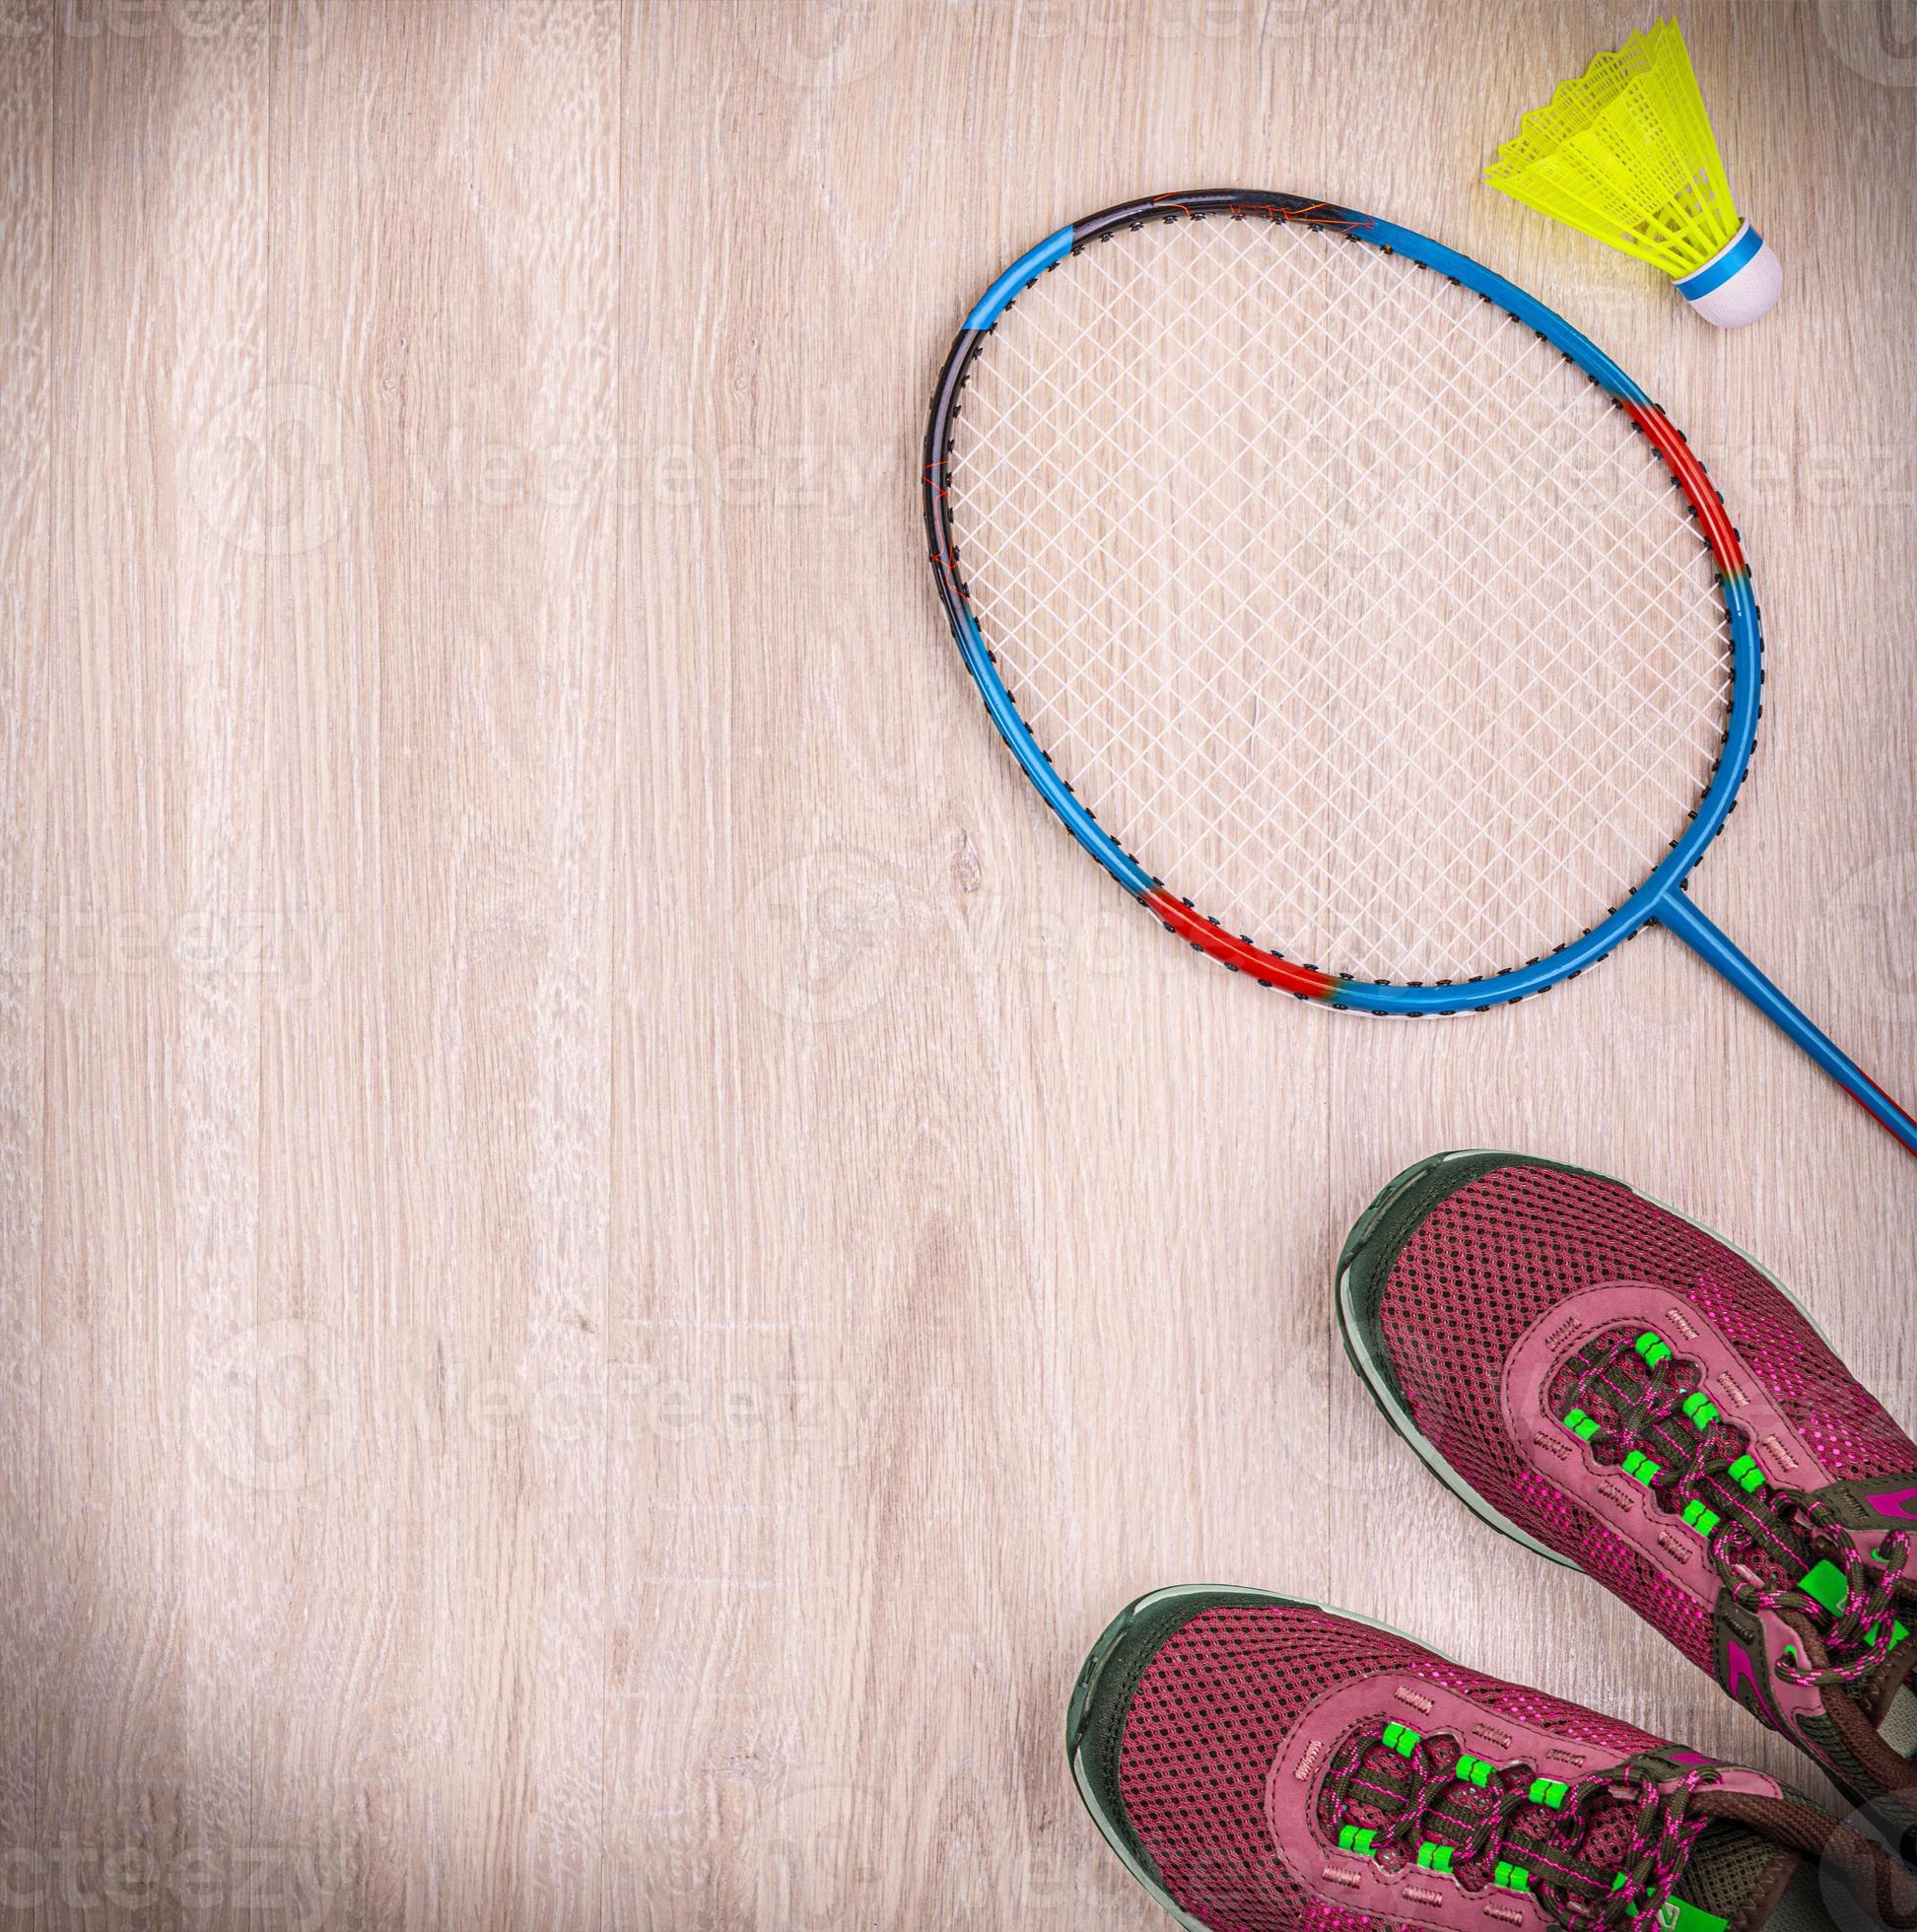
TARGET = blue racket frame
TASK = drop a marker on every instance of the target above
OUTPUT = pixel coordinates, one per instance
(1661, 898)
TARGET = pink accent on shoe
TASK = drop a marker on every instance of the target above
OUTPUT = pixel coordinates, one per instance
(1732, 1777)
(1291, 1807)
(1625, 1510)
(1221, 1700)
(1614, 1507)
(1900, 1505)
(1741, 1675)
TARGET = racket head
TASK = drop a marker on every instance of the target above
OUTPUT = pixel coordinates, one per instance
(951, 471)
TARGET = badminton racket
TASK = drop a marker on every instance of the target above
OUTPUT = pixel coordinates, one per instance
(1365, 621)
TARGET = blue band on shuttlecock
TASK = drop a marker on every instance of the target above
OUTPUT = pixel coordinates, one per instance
(1720, 268)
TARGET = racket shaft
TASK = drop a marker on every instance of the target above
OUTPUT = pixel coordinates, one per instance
(1677, 912)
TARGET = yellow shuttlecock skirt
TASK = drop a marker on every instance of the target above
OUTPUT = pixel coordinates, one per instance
(1625, 153)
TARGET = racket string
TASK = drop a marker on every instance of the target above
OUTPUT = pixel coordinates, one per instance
(1266, 669)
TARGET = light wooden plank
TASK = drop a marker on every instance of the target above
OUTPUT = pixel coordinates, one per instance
(445, 350)
(151, 1140)
(29, 946)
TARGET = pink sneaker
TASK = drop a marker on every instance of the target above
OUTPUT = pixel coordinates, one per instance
(1266, 1766)
(1618, 1389)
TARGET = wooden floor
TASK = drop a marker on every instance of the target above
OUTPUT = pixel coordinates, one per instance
(614, 1253)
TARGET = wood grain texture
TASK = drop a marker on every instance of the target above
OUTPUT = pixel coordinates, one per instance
(614, 1252)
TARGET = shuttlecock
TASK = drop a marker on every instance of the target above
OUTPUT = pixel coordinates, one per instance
(1626, 154)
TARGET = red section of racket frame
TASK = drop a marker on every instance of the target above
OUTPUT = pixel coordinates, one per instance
(1268, 968)
(1696, 483)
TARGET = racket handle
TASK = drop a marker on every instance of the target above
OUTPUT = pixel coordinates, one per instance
(1679, 915)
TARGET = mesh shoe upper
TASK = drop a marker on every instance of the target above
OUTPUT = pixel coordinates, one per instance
(1268, 1766)
(1489, 1269)
(1210, 1716)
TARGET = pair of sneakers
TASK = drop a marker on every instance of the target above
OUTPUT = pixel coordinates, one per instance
(1619, 1389)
